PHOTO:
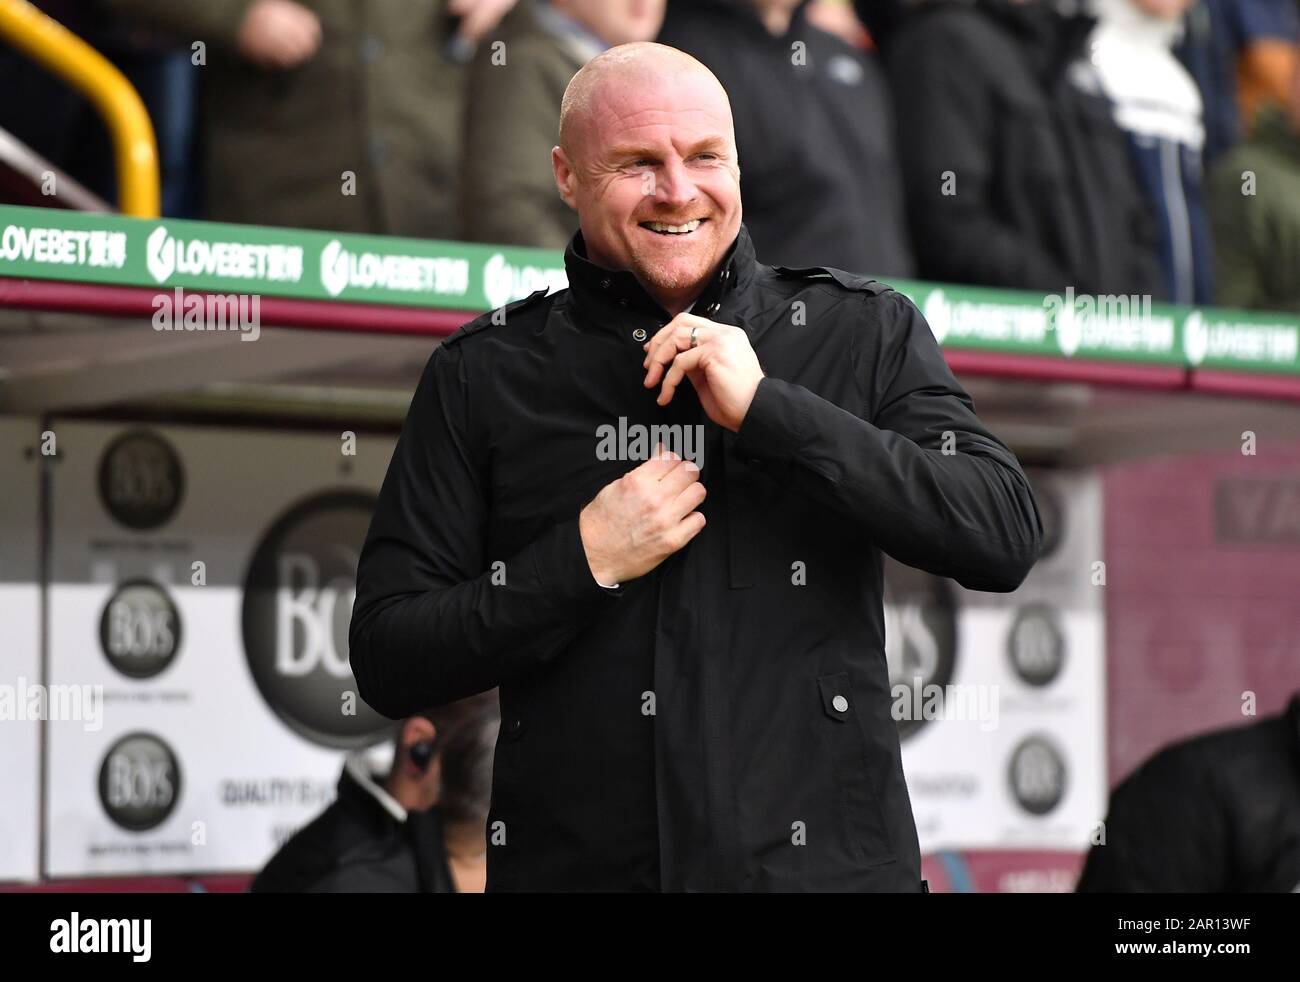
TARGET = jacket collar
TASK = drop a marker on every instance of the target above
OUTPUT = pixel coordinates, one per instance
(598, 293)
(1049, 39)
(357, 784)
(581, 42)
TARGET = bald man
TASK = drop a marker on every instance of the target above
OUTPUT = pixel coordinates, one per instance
(651, 508)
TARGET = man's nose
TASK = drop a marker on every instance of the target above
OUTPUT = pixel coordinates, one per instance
(674, 185)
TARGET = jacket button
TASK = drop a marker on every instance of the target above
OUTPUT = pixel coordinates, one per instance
(639, 334)
(604, 284)
(841, 704)
(514, 726)
(713, 308)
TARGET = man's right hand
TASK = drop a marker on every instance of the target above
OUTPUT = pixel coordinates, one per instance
(279, 34)
(638, 521)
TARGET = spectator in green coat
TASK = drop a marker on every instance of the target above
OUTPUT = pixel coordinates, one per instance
(1255, 208)
(327, 114)
(512, 113)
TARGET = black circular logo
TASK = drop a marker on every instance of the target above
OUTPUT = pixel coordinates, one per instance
(1037, 775)
(920, 639)
(140, 480)
(1036, 644)
(139, 782)
(298, 597)
(140, 629)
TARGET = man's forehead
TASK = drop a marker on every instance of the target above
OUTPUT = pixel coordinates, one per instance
(671, 112)
(631, 90)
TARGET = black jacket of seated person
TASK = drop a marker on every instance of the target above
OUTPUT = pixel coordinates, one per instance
(1215, 813)
(361, 844)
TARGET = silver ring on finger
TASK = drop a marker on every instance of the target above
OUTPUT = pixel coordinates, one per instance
(694, 339)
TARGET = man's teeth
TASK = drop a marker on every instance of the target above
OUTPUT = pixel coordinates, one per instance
(672, 229)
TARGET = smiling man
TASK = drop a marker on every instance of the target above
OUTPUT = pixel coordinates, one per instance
(691, 660)
(655, 182)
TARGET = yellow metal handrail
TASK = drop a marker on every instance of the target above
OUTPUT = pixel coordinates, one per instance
(134, 148)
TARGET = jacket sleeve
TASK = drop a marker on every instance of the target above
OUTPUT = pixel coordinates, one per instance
(436, 617)
(921, 475)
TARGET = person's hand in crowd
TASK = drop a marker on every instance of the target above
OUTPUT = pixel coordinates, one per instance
(638, 521)
(477, 17)
(721, 365)
(279, 34)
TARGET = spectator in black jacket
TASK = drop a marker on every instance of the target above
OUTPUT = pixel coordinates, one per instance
(1219, 813)
(419, 830)
(1157, 104)
(814, 127)
(1014, 176)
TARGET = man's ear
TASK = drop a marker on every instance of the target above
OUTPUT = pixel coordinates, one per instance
(417, 729)
(565, 177)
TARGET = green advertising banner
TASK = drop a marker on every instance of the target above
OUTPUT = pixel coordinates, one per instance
(88, 248)
(46, 244)
(1116, 328)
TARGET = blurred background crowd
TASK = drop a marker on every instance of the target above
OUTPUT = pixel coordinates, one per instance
(1119, 147)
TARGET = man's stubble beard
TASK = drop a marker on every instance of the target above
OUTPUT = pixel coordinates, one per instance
(671, 276)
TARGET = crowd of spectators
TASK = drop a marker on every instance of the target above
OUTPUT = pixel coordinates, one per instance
(1114, 146)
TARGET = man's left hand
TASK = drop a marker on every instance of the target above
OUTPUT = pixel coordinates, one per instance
(722, 366)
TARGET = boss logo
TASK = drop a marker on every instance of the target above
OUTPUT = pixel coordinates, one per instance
(298, 598)
(1037, 775)
(140, 629)
(140, 480)
(139, 782)
(1036, 645)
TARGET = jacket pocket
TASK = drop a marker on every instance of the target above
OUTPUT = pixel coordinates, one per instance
(863, 819)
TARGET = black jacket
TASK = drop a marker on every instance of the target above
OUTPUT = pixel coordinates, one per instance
(685, 731)
(1014, 176)
(815, 134)
(357, 846)
(1219, 813)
